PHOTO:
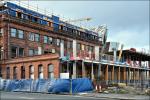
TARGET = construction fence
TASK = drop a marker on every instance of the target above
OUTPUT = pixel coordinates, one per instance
(47, 86)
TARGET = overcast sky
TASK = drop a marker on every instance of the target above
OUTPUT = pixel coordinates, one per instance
(127, 21)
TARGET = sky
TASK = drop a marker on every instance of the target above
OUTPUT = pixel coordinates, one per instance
(127, 21)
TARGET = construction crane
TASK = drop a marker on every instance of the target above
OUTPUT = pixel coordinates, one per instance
(120, 52)
(79, 20)
(102, 32)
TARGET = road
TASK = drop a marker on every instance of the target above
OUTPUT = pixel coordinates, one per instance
(39, 96)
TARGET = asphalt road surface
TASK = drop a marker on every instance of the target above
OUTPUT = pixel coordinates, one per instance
(39, 96)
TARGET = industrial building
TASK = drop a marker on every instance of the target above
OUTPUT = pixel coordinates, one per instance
(34, 45)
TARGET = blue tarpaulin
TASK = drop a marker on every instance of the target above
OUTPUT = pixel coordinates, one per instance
(81, 85)
(40, 85)
(47, 86)
(59, 86)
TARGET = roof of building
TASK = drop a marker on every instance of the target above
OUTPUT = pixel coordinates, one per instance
(54, 18)
(134, 55)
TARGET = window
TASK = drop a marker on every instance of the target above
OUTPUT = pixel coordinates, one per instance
(20, 34)
(15, 73)
(61, 27)
(58, 42)
(31, 52)
(1, 53)
(50, 24)
(1, 31)
(13, 52)
(45, 39)
(0, 71)
(54, 41)
(13, 32)
(7, 72)
(51, 71)
(22, 72)
(69, 44)
(21, 52)
(78, 46)
(35, 19)
(37, 37)
(87, 48)
(50, 40)
(31, 72)
(82, 47)
(40, 72)
(31, 36)
(35, 52)
(19, 14)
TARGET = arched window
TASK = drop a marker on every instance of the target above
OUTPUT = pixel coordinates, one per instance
(22, 72)
(40, 72)
(7, 72)
(15, 73)
(51, 71)
(31, 72)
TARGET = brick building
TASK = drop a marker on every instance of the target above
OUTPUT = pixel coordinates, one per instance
(34, 45)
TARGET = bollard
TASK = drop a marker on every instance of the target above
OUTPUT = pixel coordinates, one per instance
(100, 88)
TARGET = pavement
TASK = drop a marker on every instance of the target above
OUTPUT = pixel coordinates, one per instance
(40, 96)
(80, 96)
(117, 96)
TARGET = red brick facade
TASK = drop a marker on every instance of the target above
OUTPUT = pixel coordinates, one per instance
(35, 61)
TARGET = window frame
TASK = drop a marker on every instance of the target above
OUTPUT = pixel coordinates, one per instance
(7, 73)
(31, 36)
(31, 71)
(16, 53)
(13, 33)
(15, 72)
(20, 34)
(37, 37)
(45, 39)
(19, 52)
(50, 72)
(40, 71)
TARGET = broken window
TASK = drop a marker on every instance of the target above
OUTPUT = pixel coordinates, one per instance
(13, 52)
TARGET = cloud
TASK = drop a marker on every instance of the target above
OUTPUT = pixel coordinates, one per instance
(127, 21)
(132, 38)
